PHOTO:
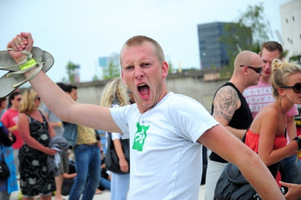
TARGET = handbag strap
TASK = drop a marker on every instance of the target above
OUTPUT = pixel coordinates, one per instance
(110, 142)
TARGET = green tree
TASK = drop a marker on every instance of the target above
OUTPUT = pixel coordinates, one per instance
(294, 58)
(248, 33)
(95, 77)
(236, 37)
(71, 71)
(255, 19)
(113, 71)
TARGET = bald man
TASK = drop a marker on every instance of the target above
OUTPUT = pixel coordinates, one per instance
(231, 110)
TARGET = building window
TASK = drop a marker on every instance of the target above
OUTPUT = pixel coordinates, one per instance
(293, 18)
(286, 20)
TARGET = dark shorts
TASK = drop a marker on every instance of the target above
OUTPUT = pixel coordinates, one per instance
(64, 164)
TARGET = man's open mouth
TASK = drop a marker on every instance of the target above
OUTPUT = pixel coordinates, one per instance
(143, 90)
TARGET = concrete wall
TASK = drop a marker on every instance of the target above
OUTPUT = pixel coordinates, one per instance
(192, 85)
(198, 89)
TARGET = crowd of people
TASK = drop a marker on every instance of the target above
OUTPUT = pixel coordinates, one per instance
(37, 125)
(166, 130)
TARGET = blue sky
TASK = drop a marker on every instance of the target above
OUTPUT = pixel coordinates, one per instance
(81, 31)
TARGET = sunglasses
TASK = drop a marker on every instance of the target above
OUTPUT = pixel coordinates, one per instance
(256, 69)
(296, 88)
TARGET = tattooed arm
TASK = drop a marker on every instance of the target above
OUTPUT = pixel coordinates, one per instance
(225, 103)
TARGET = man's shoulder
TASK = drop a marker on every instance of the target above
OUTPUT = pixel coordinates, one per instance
(179, 103)
(179, 99)
(227, 90)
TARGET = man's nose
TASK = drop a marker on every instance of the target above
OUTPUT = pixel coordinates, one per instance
(268, 65)
(138, 72)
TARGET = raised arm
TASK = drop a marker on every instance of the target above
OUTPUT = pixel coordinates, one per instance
(58, 101)
(221, 141)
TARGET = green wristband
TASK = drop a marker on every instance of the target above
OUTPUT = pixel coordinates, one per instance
(28, 64)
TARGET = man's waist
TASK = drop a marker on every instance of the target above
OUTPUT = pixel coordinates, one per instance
(86, 144)
(91, 143)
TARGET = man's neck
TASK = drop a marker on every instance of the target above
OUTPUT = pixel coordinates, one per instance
(264, 79)
(238, 84)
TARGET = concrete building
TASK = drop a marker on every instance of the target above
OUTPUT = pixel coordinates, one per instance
(290, 14)
(215, 54)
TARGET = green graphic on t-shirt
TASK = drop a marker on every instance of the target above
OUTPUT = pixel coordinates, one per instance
(140, 137)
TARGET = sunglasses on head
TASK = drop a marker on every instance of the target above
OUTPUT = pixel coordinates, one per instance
(296, 88)
(256, 69)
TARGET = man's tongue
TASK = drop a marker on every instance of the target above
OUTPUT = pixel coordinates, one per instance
(144, 90)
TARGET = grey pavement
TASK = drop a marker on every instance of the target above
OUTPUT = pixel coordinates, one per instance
(106, 195)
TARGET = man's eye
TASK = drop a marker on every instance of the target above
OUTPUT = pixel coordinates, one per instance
(145, 64)
(129, 68)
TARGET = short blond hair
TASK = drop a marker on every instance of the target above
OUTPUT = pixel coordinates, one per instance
(140, 40)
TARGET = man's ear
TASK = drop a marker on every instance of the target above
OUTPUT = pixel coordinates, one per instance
(164, 67)
(245, 70)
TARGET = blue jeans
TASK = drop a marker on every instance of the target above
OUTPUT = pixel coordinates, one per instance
(292, 170)
(119, 186)
(87, 164)
(104, 183)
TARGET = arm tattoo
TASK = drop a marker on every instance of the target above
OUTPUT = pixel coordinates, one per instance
(225, 103)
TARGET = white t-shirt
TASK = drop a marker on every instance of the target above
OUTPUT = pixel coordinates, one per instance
(166, 160)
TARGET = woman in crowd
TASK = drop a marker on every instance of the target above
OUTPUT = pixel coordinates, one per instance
(115, 95)
(36, 133)
(6, 140)
(267, 133)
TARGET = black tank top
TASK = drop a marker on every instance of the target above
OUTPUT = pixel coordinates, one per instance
(241, 119)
